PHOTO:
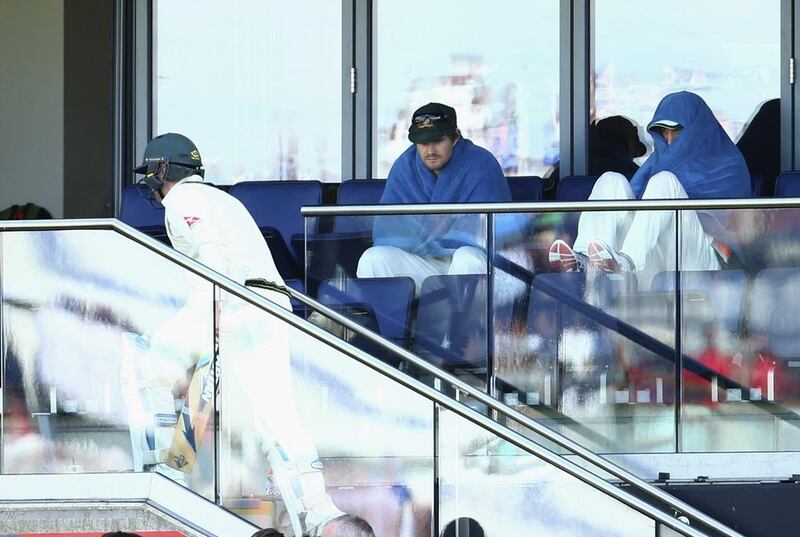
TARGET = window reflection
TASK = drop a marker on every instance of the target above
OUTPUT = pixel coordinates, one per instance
(256, 84)
(726, 51)
(500, 73)
(76, 354)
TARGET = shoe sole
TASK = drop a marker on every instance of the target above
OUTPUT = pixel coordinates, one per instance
(562, 257)
(600, 258)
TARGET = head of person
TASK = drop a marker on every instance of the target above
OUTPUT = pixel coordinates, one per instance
(120, 534)
(689, 142)
(684, 119)
(268, 532)
(668, 130)
(463, 527)
(618, 134)
(434, 130)
(348, 526)
(169, 158)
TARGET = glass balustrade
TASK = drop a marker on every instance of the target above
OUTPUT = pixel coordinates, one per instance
(683, 353)
(422, 283)
(740, 325)
(100, 374)
(514, 493)
(101, 337)
(345, 428)
(582, 350)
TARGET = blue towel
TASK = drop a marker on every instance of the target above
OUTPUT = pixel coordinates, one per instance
(472, 175)
(703, 157)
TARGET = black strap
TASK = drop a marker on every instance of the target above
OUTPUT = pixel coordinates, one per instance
(261, 283)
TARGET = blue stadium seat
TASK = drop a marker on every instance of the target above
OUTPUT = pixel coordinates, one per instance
(451, 325)
(575, 187)
(360, 192)
(774, 313)
(725, 289)
(141, 214)
(788, 185)
(524, 189)
(774, 325)
(275, 206)
(756, 185)
(389, 299)
(298, 308)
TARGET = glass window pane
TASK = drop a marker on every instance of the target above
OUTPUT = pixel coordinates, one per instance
(728, 52)
(499, 73)
(256, 85)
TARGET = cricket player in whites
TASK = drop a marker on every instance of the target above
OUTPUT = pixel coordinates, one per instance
(214, 228)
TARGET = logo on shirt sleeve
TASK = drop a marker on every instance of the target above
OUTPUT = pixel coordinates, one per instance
(191, 220)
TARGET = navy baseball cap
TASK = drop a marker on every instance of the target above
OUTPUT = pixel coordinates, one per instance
(431, 122)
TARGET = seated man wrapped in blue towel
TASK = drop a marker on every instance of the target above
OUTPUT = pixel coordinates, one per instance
(693, 158)
(441, 167)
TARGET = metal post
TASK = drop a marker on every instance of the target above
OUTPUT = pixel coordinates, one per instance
(215, 371)
(363, 97)
(490, 375)
(437, 497)
(348, 97)
(790, 18)
(678, 319)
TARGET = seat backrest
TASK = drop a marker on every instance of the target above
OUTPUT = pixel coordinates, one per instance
(277, 204)
(756, 185)
(389, 298)
(139, 213)
(575, 187)
(297, 307)
(358, 192)
(599, 292)
(774, 312)
(451, 323)
(725, 289)
(525, 189)
(788, 185)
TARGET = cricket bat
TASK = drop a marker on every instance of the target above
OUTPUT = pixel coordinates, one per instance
(197, 409)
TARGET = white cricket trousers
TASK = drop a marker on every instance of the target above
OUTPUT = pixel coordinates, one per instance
(649, 238)
(258, 401)
(389, 261)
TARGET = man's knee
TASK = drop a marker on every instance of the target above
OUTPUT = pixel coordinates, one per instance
(374, 261)
(468, 260)
(611, 186)
(664, 185)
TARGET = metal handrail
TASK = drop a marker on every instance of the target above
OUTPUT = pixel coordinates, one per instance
(552, 206)
(414, 385)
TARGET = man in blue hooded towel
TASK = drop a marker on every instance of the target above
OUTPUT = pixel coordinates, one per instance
(693, 158)
(441, 167)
